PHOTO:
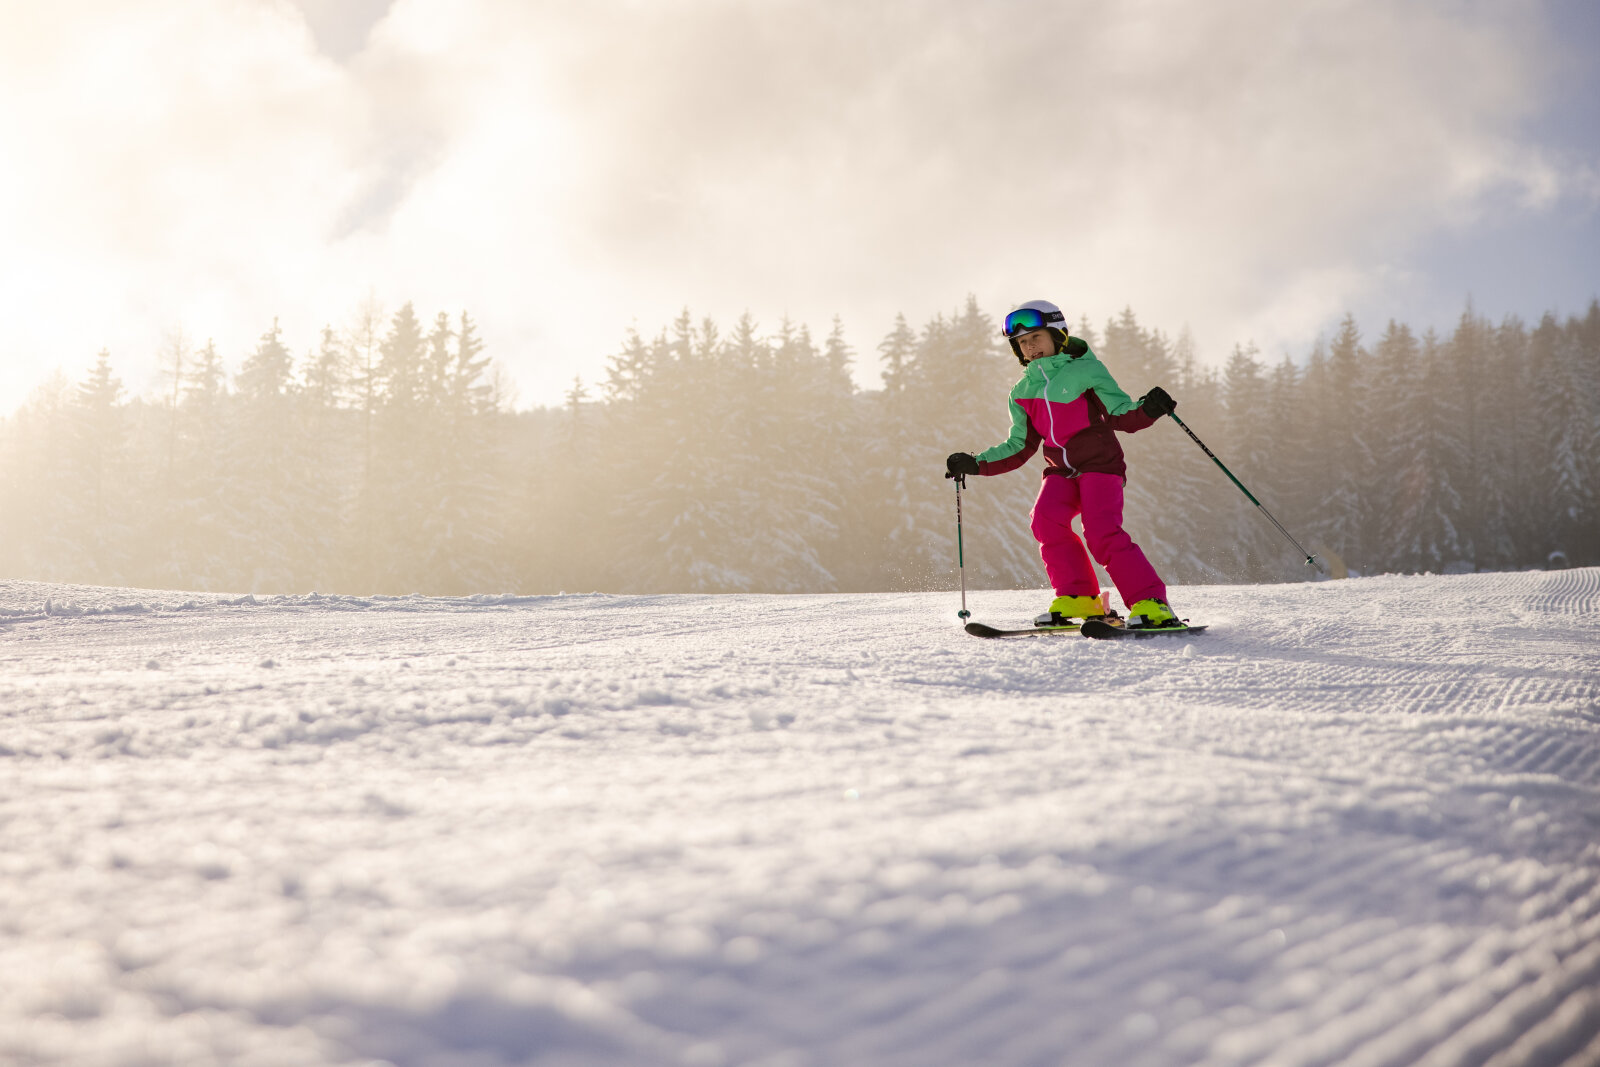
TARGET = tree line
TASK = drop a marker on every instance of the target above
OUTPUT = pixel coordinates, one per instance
(388, 459)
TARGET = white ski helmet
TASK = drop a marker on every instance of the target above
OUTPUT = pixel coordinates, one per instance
(1033, 315)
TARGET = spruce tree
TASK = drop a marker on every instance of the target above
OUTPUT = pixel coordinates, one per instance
(1193, 514)
(38, 535)
(1432, 517)
(881, 486)
(1468, 351)
(326, 372)
(563, 530)
(461, 541)
(1250, 549)
(675, 494)
(1499, 420)
(1345, 436)
(1567, 425)
(207, 523)
(836, 443)
(1583, 373)
(398, 489)
(278, 489)
(94, 545)
(364, 338)
(798, 525)
(1398, 436)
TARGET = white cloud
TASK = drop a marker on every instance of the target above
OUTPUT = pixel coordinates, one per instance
(1247, 167)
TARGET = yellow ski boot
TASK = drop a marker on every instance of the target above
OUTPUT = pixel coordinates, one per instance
(1151, 615)
(1064, 609)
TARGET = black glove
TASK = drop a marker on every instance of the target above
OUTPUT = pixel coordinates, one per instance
(1157, 403)
(960, 463)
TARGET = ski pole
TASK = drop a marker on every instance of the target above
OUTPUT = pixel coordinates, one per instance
(1311, 560)
(961, 561)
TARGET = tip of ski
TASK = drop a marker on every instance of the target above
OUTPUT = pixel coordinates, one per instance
(1103, 631)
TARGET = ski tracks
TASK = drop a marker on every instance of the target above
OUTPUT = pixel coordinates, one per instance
(1354, 823)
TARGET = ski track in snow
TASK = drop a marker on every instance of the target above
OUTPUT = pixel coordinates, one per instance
(1356, 823)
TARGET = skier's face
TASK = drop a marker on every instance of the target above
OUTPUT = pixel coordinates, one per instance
(1036, 343)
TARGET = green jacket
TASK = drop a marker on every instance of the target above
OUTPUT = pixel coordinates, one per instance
(1070, 405)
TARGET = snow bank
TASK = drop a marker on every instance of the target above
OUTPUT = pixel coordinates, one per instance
(1354, 822)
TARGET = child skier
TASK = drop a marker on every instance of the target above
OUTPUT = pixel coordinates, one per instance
(1068, 402)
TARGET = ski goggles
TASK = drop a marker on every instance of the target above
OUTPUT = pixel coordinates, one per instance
(1024, 320)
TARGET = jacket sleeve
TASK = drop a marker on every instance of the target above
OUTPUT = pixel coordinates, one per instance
(1015, 450)
(1122, 411)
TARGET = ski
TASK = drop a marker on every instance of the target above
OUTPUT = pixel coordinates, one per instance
(978, 629)
(1102, 631)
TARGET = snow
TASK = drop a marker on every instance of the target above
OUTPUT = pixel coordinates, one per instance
(1354, 822)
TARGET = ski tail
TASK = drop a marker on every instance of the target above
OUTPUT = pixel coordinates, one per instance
(978, 629)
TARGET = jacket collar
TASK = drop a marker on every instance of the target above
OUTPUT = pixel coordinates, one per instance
(1049, 363)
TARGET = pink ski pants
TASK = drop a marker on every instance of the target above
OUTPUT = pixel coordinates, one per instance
(1098, 498)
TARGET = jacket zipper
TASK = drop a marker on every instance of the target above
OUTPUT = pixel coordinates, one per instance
(1051, 416)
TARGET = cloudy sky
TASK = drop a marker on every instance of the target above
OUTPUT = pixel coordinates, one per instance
(1248, 168)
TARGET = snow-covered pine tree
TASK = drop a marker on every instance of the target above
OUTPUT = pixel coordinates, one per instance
(206, 521)
(835, 451)
(564, 538)
(574, 529)
(1502, 415)
(280, 493)
(1521, 451)
(1289, 496)
(174, 368)
(159, 517)
(364, 339)
(36, 472)
(258, 466)
(1251, 546)
(1566, 425)
(330, 456)
(1435, 504)
(674, 440)
(1196, 504)
(474, 412)
(1365, 465)
(737, 402)
(397, 489)
(793, 497)
(1477, 383)
(325, 374)
(879, 488)
(1342, 398)
(1466, 350)
(456, 480)
(1398, 438)
(1583, 363)
(93, 543)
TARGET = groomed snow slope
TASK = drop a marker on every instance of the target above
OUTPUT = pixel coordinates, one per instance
(1355, 823)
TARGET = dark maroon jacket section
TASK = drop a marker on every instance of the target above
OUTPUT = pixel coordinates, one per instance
(1093, 449)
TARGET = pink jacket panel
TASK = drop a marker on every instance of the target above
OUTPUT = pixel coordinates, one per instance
(1056, 422)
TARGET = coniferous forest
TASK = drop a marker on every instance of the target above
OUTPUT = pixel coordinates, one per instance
(387, 458)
